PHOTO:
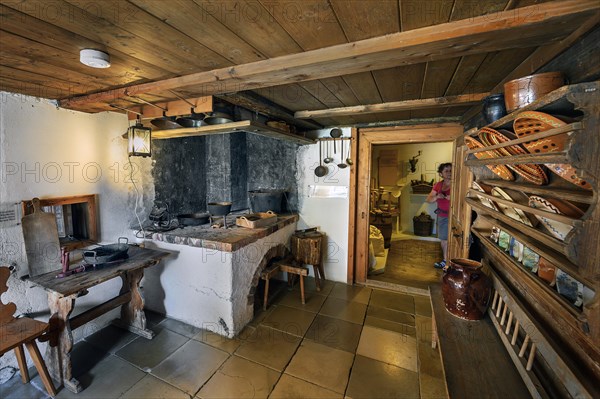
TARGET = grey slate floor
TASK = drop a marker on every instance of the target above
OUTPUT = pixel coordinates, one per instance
(346, 342)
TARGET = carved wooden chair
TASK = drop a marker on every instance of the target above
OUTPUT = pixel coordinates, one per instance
(15, 333)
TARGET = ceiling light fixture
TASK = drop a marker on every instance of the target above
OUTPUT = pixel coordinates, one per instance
(94, 58)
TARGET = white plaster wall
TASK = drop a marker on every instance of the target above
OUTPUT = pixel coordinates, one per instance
(432, 155)
(208, 288)
(50, 152)
(329, 214)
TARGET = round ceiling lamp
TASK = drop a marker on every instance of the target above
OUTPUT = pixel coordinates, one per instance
(94, 58)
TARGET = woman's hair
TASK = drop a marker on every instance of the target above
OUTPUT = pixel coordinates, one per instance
(442, 166)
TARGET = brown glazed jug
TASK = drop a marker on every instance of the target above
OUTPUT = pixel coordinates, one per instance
(466, 289)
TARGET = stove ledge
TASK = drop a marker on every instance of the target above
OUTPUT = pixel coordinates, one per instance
(225, 240)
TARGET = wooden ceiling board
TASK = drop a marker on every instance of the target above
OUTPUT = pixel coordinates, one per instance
(361, 19)
(49, 81)
(495, 67)
(464, 73)
(364, 87)
(340, 89)
(545, 23)
(31, 88)
(400, 83)
(435, 82)
(251, 21)
(327, 98)
(311, 23)
(124, 69)
(192, 21)
(464, 9)
(456, 111)
(418, 13)
(102, 31)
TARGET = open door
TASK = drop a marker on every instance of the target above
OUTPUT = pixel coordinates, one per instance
(460, 211)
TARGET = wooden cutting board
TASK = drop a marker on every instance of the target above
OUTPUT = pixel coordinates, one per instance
(41, 241)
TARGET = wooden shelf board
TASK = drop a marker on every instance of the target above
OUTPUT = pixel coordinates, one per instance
(232, 127)
(548, 157)
(586, 197)
(518, 226)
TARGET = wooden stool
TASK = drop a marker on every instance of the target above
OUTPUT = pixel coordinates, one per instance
(307, 248)
(23, 331)
(266, 275)
(292, 269)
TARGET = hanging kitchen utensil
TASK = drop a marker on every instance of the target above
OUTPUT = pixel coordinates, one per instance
(321, 170)
(328, 159)
(342, 165)
(348, 160)
(335, 133)
(164, 123)
(40, 234)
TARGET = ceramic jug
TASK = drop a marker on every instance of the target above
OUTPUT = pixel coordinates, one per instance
(466, 289)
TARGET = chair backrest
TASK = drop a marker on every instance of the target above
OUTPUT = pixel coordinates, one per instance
(6, 310)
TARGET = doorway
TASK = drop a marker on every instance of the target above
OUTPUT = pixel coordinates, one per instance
(369, 141)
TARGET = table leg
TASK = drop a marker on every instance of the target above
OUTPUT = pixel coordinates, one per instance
(133, 317)
(58, 352)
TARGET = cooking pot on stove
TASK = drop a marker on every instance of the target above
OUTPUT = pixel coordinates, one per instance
(219, 208)
(193, 219)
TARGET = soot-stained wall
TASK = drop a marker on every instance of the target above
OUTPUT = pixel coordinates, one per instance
(188, 173)
(179, 172)
(272, 164)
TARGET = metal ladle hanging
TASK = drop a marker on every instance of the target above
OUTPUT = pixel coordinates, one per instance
(321, 170)
(342, 165)
(335, 133)
(328, 159)
(348, 160)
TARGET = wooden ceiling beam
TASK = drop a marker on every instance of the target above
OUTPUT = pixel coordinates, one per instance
(450, 101)
(523, 27)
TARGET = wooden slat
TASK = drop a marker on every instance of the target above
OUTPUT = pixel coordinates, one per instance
(242, 126)
(418, 14)
(394, 106)
(364, 87)
(98, 310)
(435, 82)
(548, 157)
(487, 33)
(585, 197)
(364, 20)
(185, 19)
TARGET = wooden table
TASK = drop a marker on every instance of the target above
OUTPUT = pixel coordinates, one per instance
(476, 364)
(62, 293)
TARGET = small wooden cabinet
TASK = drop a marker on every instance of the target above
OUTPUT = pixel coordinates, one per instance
(567, 334)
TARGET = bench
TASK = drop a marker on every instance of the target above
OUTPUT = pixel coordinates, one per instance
(475, 361)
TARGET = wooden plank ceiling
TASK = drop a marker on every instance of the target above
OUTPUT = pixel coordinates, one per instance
(152, 41)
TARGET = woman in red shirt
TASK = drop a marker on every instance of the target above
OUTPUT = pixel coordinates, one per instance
(441, 194)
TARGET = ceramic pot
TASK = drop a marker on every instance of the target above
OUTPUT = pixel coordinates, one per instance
(466, 289)
(493, 107)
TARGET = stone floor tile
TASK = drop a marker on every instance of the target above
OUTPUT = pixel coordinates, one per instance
(110, 378)
(353, 312)
(111, 338)
(85, 356)
(290, 387)
(424, 329)
(240, 378)
(310, 285)
(290, 320)
(335, 333)
(153, 318)
(151, 387)
(391, 315)
(423, 305)
(351, 293)
(228, 345)
(389, 347)
(322, 365)
(393, 300)
(190, 366)
(313, 301)
(15, 389)
(373, 379)
(390, 325)
(180, 327)
(147, 353)
(431, 373)
(259, 316)
(432, 387)
(269, 347)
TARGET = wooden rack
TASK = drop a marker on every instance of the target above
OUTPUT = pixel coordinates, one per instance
(566, 338)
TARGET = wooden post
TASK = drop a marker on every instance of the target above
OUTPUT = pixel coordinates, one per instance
(58, 352)
(515, 333)
(509, 322)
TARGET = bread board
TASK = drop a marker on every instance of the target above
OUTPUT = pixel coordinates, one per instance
(256, 220)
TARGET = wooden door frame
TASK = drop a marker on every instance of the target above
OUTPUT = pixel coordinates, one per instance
(360, 180)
